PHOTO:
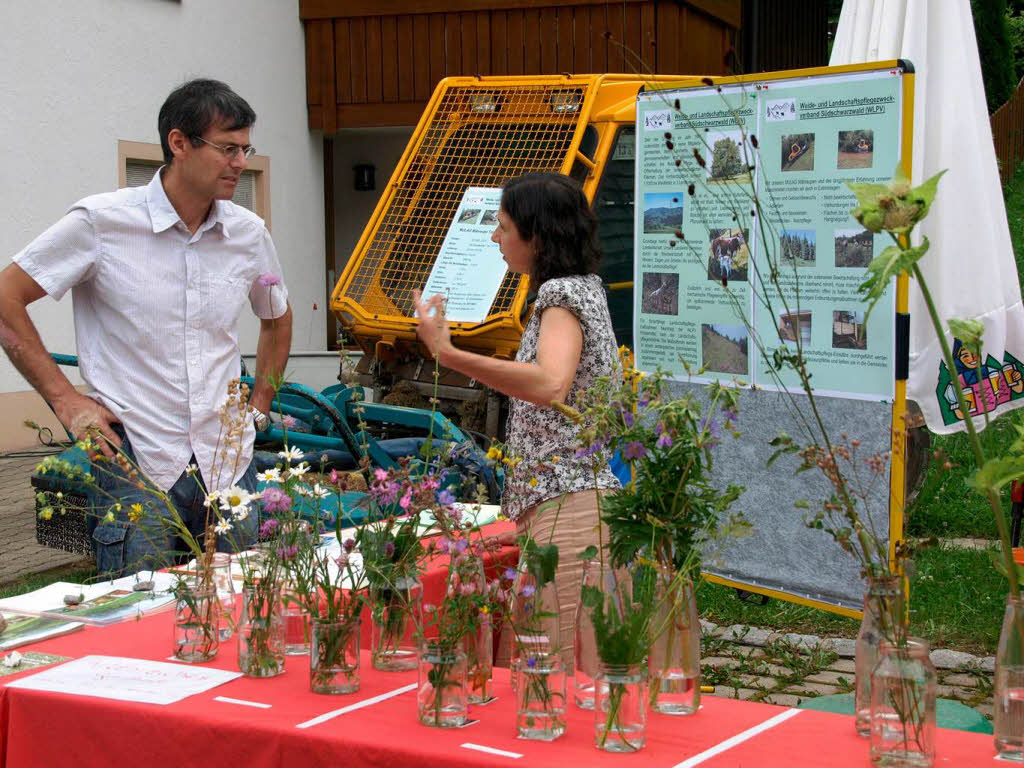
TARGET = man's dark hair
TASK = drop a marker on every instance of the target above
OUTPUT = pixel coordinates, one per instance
(197, 105)
(551, 211)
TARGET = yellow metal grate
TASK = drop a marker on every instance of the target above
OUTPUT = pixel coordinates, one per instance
(477, 137)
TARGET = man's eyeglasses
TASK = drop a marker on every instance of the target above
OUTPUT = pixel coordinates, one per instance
(230, 151)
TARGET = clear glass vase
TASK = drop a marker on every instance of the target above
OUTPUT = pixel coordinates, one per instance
(334, 656)
(674, 658)
(585, 660)
(534, 617)
(903, 706)
(479, 643)
(620, 708)
(442, 700)
(196, 620)
(540, 689)
(220, 567)
(883, 611)
(396, 610)
(296, 623)
(261, 632)
(1008, 699)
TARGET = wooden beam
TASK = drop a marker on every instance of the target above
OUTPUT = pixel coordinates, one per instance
(372, 115)
(725, 10)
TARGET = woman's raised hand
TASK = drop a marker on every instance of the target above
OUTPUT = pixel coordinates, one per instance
(433, 328)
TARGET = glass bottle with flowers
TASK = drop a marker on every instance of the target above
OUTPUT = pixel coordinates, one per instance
(331, 587)
(669, 515)
(540, 675)
(392, 553)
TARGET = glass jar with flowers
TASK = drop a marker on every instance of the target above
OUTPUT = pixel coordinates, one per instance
(538, 664)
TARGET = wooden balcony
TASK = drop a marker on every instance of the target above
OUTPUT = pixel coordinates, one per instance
(376, 62)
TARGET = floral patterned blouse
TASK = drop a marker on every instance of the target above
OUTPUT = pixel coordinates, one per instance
(544, 439)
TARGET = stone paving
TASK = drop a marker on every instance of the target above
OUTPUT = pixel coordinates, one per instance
(751, 663)
(19, 552)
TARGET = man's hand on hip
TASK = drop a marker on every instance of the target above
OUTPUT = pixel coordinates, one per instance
(82, 415)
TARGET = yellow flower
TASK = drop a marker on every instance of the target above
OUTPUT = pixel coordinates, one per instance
(494, 453)
(109, 517)
(135, 514)
(533, 482)
(554, 459)
(46, 513)
(485, 609)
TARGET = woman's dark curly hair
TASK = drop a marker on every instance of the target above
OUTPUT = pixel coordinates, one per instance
(551, 211)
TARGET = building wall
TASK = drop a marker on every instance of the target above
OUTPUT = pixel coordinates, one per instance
(78, 76)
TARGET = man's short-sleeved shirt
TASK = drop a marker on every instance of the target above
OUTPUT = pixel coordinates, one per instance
(156, 311)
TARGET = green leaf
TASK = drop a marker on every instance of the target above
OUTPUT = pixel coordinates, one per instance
(924, 194)
(868, 193)
(587, 554)
(969, 332)
(885, 266)
(997, 472)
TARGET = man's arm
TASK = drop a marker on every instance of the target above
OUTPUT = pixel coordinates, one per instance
(24, 347)
(272, 348)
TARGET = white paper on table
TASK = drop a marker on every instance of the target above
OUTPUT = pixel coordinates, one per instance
(124, 679)
(51, 597)
(163, 581)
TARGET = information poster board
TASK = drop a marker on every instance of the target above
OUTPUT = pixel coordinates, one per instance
(469, 268)
(704, 254)
(705, 305)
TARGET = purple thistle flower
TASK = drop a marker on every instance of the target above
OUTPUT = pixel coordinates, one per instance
(276, 500)
(665, 441)
(627, 418)
(635, 450)
(509, 574)
(342, 560)
(349, 544)
(445, 498)
(443, 546)
(268, 528)
(268, 279)
(389, 548)
(461, 546)
(288, 421)
(287, 553)
(528, 590)
(730, 415)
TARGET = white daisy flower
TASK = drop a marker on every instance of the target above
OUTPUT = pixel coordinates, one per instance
(320, 492)
(211, 498)
(191, 469)
(291, 453)
(240, 514)
(303, 490)
(272, 475)
(234, 498)
(223, 526)
(300, 470)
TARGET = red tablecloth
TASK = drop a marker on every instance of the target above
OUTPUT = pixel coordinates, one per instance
(53, 730)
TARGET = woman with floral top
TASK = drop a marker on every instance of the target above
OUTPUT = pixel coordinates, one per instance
(546, 230)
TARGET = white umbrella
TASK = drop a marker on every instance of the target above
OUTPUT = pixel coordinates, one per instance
(970, 267)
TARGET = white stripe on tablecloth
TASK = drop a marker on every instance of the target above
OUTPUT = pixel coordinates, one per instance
(243, 702)
(739, 738)
(491, 750)
(358, 705)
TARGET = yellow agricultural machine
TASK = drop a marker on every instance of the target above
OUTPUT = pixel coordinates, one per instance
(479, 132)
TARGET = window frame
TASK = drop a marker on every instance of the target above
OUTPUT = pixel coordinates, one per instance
(152, 154)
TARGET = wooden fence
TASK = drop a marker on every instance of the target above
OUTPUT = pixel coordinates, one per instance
(1008, 133)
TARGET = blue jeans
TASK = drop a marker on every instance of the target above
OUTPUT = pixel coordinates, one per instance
(150, 543)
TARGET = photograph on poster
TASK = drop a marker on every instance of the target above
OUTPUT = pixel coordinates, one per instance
(856, 149)
(799, 247)
(854, 247)
(792, 323)
(727, 160)
(663, 213)
(848, 330)
(660, 294)
(489, 219)
(728, 254)
(469, 215)
(798, 152)
(724, 348)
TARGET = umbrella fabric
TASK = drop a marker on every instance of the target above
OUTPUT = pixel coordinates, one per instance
(970, 268)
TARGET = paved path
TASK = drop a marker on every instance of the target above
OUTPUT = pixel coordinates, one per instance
(19, 552)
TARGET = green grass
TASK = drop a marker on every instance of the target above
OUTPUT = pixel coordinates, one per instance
(75, 573)
(956, 601)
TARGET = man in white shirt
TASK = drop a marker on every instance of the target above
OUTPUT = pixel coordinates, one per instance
(158, 277)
